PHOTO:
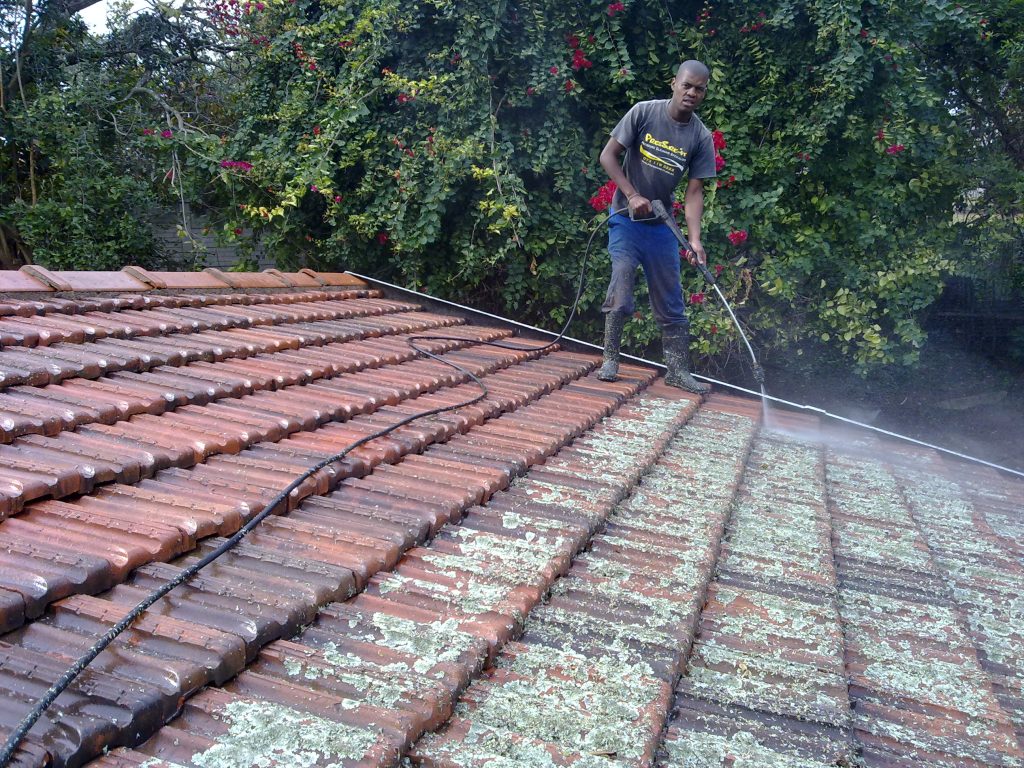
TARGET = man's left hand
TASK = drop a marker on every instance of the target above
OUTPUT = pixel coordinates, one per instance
(697, 255)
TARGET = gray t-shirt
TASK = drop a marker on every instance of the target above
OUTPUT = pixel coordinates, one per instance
(659, 151)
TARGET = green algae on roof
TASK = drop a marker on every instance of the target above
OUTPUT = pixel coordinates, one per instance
(470, 596)
(503, 558)
(763, 682)
(498, 748)
(380, 685)
(579, 703)
(739, 750)
(262, 734)
(554, 624)
(433, 643)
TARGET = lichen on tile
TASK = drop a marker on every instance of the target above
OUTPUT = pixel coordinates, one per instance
(264, 734)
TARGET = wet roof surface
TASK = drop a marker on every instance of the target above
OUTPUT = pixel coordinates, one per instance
(567, 573)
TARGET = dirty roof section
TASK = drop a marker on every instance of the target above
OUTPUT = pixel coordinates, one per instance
(566, 573)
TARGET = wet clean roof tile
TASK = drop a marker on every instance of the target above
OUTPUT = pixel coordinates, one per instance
(567, 572)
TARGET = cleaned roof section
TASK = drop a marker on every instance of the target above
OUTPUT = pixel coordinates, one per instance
(568, 572)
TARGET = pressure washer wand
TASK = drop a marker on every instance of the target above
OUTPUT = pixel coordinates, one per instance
(661, 213)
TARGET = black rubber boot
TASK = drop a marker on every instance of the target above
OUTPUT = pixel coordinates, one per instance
(613, 325)
(676, 342)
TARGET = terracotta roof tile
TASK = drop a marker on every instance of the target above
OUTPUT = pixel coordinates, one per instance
(566, 571)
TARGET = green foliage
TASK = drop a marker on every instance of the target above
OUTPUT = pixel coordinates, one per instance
(452, 147)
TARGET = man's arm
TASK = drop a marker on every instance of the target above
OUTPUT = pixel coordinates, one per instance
(693, 210)
(611, 161)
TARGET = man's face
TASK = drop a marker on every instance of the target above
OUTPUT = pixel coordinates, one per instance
(688, 91)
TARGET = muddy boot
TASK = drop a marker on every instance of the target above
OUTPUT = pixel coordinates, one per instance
(676, 342)
(613, 324)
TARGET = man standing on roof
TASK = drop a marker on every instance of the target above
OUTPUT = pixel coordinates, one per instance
(663, 140)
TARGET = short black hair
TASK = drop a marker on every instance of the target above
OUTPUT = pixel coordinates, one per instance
(695, 67)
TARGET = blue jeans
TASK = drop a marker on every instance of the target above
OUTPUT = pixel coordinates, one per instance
(655, 248)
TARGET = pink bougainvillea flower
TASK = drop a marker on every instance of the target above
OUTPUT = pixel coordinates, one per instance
(148, 131)
(719, 162)
(737, 236)
(239, 230)
(718, 270)
(614, 8)
(314, 188)
(166, 134)
(569, 85)
(530, 90)
(338, 198)
(382, 237)
(697, 298)
(573, 41)
(238, 165)
(718, 139)
(553, 70)
(316, 130)
(894, 149)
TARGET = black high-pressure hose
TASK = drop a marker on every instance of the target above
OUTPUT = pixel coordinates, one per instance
(98, 647)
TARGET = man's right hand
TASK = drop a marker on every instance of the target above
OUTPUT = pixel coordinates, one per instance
(639, 208)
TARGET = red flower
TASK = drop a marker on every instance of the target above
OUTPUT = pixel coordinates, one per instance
(894, 149)
(382, 237)
(345, 44)
(530, 90)
(718, 270)
(719, 162)
(697, 298)
(718, 139)
(714, 328)
(614, 8)
(312, 66)
(403, 98)
(337, 198)
(676, 207)
(314, 188)
(573, 41)
(166, 134)
(569, 85)
(316, 130)
(580, 61)
(239, 230)
(603, 198)
(553, 70)
(148, 131)
(240, 165)
(737, 236)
